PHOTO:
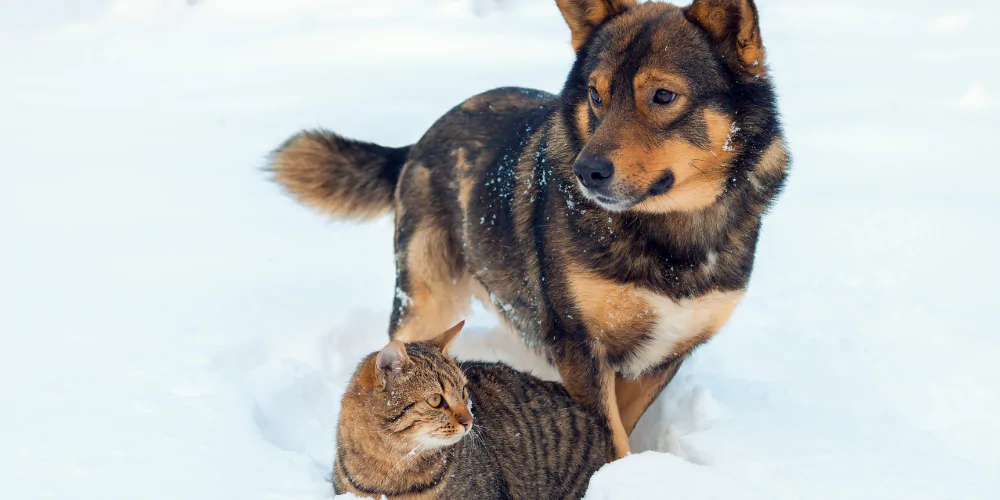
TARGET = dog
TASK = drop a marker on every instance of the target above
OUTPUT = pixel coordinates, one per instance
(613, 226)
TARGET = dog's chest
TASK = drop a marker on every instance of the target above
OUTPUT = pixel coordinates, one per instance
(641, 328)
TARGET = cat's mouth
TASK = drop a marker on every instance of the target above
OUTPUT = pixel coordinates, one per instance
(435, 441)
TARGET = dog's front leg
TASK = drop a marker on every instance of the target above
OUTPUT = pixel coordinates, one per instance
(590, 379)
(634, 395)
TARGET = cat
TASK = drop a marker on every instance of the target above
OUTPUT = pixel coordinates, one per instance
(416, 424)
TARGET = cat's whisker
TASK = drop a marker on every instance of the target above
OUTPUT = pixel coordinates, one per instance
(412, 454)
(477, 434)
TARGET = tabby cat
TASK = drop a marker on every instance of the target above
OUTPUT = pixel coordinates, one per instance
(407, 430)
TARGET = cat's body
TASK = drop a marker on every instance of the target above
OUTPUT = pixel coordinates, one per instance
(530, 438)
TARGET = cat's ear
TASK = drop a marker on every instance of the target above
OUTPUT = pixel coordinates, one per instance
(445, 339)
(392, 360)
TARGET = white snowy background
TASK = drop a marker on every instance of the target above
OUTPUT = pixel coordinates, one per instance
(176, 328)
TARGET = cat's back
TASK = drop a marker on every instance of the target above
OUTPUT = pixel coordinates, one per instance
(542, 441)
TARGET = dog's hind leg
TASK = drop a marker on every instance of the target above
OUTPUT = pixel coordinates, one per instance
(433, 290)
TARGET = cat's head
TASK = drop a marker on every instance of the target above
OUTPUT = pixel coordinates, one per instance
(418, 392)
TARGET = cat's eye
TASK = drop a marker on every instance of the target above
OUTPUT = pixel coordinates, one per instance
(435, 400)
(465, 393)
(595, 96)
(664, 96)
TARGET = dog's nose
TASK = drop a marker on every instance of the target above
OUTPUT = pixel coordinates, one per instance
(593, 172)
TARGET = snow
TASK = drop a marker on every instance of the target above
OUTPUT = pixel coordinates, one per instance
(176, 328)
(976, 97)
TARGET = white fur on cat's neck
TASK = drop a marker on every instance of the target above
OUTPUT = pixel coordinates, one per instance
(432, 442)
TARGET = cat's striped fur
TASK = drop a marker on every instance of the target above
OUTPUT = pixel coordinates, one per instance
(529, 438)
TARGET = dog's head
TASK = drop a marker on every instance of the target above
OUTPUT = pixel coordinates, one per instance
(654, 99)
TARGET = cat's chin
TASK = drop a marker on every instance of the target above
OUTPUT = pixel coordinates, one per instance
(436, 442)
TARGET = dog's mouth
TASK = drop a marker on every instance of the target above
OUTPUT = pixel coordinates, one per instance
(611, 203)
(611, 198)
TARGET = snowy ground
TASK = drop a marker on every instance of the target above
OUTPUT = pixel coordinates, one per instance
(175, 328)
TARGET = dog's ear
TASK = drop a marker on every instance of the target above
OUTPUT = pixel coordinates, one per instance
(734, 28)
(391, 361)
(584, 16)
(445, 339)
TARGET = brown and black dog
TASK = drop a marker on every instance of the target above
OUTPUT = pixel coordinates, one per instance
(613, 226)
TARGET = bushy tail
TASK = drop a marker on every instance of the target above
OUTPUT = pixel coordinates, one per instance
(340, 177)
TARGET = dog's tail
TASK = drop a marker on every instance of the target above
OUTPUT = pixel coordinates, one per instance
(340, 177)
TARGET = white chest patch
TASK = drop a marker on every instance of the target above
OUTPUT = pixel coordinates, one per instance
(679, 327)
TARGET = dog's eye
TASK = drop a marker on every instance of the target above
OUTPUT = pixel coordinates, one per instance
(595, 96)
(664, 96)
(465, 393)
(435, 400)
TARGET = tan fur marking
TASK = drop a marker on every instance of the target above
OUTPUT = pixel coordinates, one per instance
(676, 82)
(583, 16)
(773, 163)
(711, 15)
(465, 182)
(600, 79)
(774, 160)
(619, 436)
(583, 121)
(610, 310)
(475, 103)
(439, 297)
(714, 17)
(420, 176)
(636, 394)
(654, 77)
(462, 165)
(618, 315)
(749, 45)
(399, 208)
(699, 174)
(498, 103)
(465, 187)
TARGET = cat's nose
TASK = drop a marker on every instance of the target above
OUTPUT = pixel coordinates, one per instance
(466, 422)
